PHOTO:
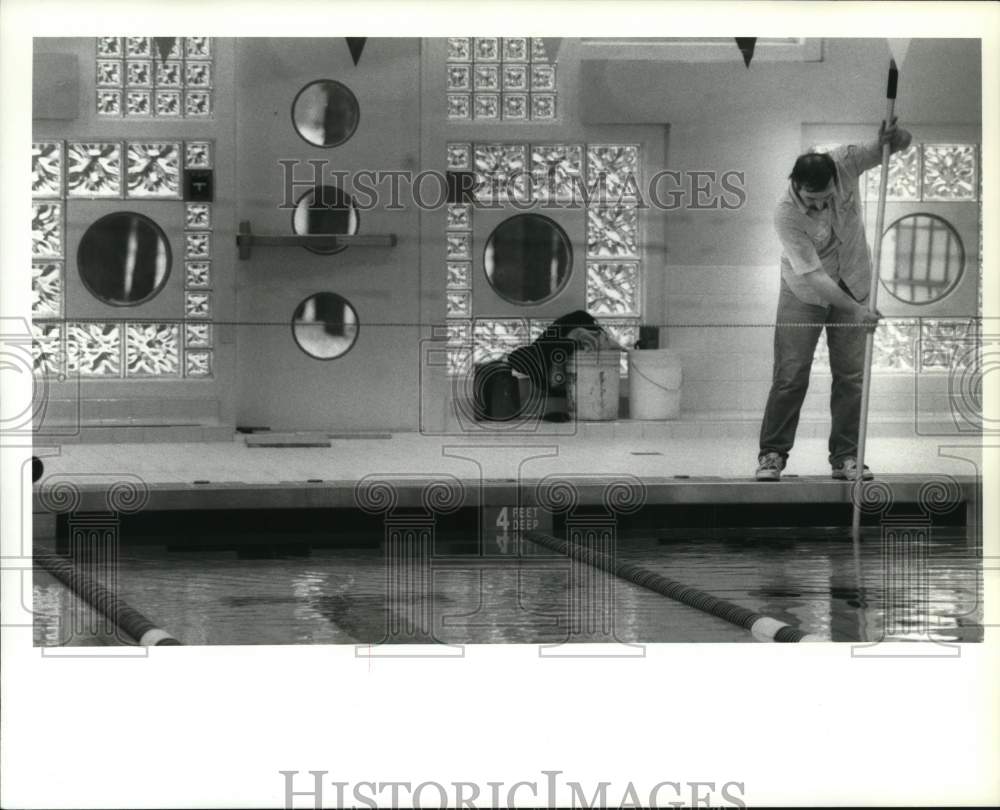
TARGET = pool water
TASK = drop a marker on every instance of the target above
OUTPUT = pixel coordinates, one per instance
(810, 581)
(353, 596)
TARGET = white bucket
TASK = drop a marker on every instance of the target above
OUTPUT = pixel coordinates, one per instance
(654, 384)
(592, 385)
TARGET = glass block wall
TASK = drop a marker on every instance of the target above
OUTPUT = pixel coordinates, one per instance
(500, 78)
(930, 173)
(77, 173)
(154, 77)
(925, 172)
(613, 264)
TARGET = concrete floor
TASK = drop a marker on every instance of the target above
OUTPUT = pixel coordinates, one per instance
(491, 457)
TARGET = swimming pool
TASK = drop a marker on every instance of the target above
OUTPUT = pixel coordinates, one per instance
(368, 594)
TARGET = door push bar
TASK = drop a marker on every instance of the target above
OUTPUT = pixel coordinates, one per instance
(246, 239)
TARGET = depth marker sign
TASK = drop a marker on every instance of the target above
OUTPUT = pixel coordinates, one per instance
(505, 527)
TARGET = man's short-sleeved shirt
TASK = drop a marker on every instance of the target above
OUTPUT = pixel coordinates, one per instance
(831, 239)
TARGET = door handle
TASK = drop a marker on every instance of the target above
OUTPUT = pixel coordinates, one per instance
(246, 239)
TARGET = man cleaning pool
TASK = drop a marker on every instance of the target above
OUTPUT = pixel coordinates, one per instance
(825, 280)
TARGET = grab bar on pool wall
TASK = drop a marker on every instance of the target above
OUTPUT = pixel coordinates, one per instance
(246, 239)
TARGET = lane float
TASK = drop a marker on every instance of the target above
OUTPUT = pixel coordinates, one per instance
(100, 598)
(763, 628)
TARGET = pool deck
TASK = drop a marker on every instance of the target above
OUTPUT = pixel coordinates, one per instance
(445, 473)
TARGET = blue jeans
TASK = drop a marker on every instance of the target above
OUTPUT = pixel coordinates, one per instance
(798, 329)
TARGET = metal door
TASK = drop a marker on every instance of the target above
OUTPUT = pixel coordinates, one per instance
(373, 385)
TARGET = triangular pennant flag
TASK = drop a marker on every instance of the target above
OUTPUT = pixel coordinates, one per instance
(551, 47)
(899, 47)
(164, 45)
(746, 46)
(357, 45)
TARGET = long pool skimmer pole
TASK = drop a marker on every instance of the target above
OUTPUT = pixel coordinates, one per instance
(872, 300)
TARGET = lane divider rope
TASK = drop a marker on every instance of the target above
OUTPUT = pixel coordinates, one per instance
(762, 627)
(127, 618)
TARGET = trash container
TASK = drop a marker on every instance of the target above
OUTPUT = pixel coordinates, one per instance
(495, 391)
(654, 384)
(592, 385)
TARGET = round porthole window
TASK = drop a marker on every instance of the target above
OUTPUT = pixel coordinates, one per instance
(325, 325)
(325, 113)
(325, 210)
(528, 259)
(922, 258)
(124, 259)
